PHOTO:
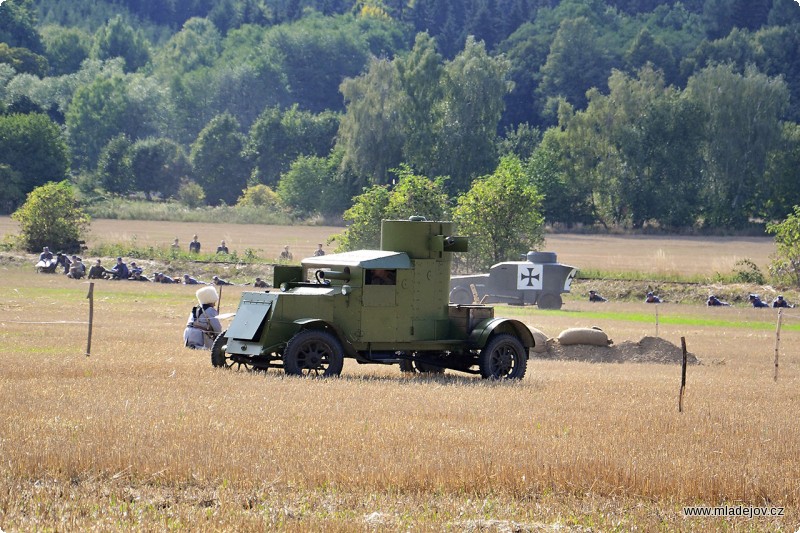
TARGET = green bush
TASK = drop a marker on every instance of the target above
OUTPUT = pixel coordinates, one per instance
(51, 217)
(191, 195)
(746, 271)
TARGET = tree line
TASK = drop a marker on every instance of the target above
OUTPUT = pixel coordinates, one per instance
(619, 113)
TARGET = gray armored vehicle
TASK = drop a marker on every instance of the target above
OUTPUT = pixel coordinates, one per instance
(538, 280)
(387, 306)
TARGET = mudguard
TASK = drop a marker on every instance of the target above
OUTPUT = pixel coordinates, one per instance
(316, 323)
(480, 335)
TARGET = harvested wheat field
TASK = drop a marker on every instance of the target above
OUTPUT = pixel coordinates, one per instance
(147, 435)
(612, 253)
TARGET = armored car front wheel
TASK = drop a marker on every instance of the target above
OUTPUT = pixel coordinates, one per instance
(503, 357)
(313, 353)
(221, 358)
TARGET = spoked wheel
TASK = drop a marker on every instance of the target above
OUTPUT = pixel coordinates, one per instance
(461, 296)
(313, 353)
(503, 357)
(220, 357)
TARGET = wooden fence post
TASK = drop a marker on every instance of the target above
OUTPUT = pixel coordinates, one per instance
(683, 375)
(777, 342)
(656, 306)
(90, 296)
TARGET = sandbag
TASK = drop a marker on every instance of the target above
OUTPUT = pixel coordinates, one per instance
(540, 341)
(591, 336)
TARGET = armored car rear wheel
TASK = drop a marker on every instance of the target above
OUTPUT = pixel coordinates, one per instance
(503, 357)
(313, 353)
(461, 296)
(220, 356)
(549, 300)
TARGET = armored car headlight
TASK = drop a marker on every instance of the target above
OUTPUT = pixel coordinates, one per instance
(346, 289)
(284, 287)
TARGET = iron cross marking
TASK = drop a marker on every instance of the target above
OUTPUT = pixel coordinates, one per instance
(530, 277)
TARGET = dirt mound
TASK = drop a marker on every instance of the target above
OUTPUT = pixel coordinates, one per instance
(647, 350)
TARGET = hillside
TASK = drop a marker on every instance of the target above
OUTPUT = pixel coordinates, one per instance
(633, 114)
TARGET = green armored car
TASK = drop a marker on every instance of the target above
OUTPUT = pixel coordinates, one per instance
(387, 306)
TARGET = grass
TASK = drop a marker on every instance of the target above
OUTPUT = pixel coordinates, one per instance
(119, 209)
(667, 315)
(146, 435)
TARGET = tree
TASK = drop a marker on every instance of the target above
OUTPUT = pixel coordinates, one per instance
(781, 188)
(420, 74)
(51, 217)
(258, 195)
(18, 25)
(216, 157)
(11, 188)
(278, 137)
(744, 112)
(158, 165)
(191, 194)
(501, 215)
(66, 48)
(417, 195)
(364, 230)
(656, 134)
(316, 54)
(301, 188)
(567, 195)
(114, 172)
(34, 151)
(370, 133)
(99, 111)
(118, 39)
(786, 264)
(576, 63)
(474, 87)
(23, 60)
(197, 45)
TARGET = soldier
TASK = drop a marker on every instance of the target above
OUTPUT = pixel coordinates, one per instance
(319, 251)
(216, 280)
(175, 245)
(163, 278)
(189, 280)
(194, 246)
(77, 270)
(380, 276)
(780, 302)
(286, 255)
(713, 301)
(594, 297)
(46, 254)
(203, 325)
(757, 302)
(136, 275)
(120, 270)
(222, 249)
(97, 271)
(652, 299)
(63, 260)
(260, 284)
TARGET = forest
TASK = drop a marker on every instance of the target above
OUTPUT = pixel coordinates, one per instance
(630, 114)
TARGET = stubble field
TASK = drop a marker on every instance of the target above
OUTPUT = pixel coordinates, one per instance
(144, 434)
